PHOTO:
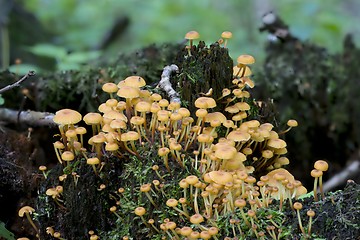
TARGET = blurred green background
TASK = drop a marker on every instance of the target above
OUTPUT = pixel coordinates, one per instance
(81, 26)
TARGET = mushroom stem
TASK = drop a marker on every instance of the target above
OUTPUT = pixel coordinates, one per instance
(321, 188)
(32, 223)
(315, 189)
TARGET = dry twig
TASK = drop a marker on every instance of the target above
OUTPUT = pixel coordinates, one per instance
(16, 84)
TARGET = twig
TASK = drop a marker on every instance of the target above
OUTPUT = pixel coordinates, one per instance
(165, 83)
(30, 118)
(340, 178)
(16, 84)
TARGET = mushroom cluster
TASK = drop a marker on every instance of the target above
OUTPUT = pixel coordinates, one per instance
(234, 162)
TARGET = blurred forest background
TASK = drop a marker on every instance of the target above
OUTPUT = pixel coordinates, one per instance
(72, 32)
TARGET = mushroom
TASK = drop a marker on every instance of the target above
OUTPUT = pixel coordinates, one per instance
(93, 162)
(93, 119)
(226, 35)
(110, 88)
(323, 166)
(27, 210)
(192, 35)
(66, 118)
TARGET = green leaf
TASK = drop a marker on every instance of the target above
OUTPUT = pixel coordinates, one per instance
(48, 50)
(6, 234)
(82, 57)
(22, 69)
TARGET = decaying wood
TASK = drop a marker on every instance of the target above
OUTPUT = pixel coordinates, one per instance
(165, 83)
(340, 178)
(29, 118)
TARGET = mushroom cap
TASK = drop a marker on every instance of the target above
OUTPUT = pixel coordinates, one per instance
(59, 145)
(118, 124)
(238, 136)
(143, 106)
(67, 116)
(192, 35)
(110, 87)
(292, 123)
(80, 130)
(163, 115)
(266, 126)
(242, 106)
(139, 211)
(228, 124)
(136, 120)
(252, 123)
(224, 151)
(112, 102)
(171, 202)
(92, 118)
(128, 92)
(245, 59)
(225, 92)
(99, 138)
(196, 219)
(205, 102)
(132, 81)
(226, 34)
(321, 165)
(52, 192)
(155, 97)
(276, 143)
(221, 177)
(130, 136)
(112, 114)
(104, 108)
(316, 173)
(297, 206)
(232, 109)
(163, 151)
(67, 156)
(186, 231)
(173, 106)
(93, 161)
(215, 116)
(184, 112)
(233, 164)
(25, 209)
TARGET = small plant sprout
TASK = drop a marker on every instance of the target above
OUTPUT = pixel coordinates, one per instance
(27, 210)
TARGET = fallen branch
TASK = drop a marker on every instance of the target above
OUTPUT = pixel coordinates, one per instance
(16, 84)
(340, 178)
(29, 118)
(165, 83)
